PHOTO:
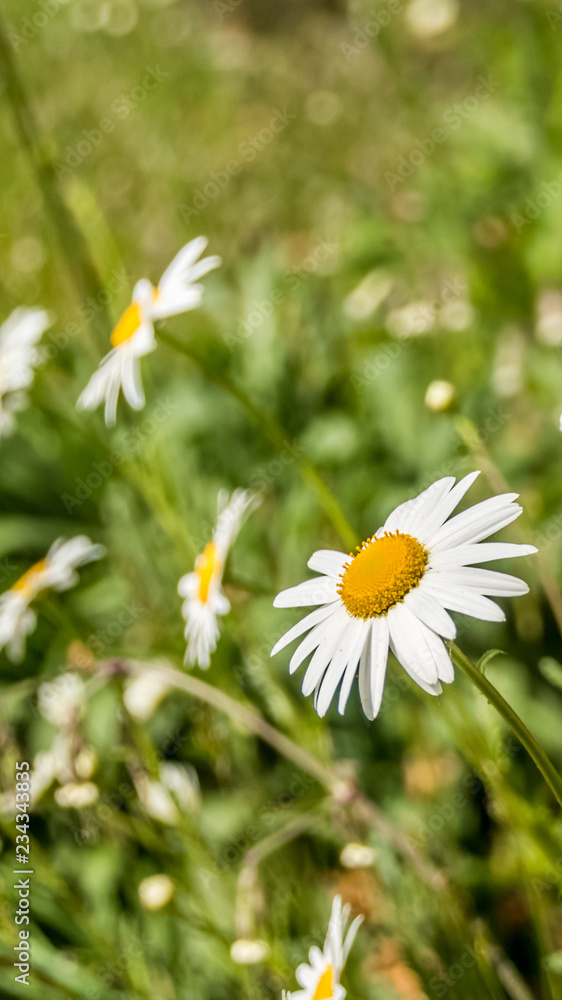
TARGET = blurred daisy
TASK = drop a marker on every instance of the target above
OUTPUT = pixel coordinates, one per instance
(56, 571)
(133, 337)
(395, 592)
(202, 589)
(321, 979)
(155, 891)
(19, 336)
(143, 693)
(60, 701)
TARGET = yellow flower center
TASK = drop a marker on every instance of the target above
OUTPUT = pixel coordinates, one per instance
(25, 583)
(382, 573)
(208, 567)
(325, 986)
(127, 325)
(130, 322)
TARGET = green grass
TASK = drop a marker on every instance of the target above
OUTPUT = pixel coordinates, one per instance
(297, 378)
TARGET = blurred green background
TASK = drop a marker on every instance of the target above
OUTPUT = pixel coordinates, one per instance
(383, 183)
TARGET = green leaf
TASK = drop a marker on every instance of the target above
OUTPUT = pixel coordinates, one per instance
(487, 658)
(551, 670)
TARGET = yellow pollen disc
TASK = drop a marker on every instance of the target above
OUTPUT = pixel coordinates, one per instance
(25, 583)
(382, 573)
(208, 566)
(127, 325)
(325, 986)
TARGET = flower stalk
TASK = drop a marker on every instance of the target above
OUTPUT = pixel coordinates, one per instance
(509, 715)
(275, 434)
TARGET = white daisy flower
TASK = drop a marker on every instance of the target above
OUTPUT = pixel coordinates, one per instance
(56, 571)
(60, 701)
(396, 593)
(321, 979)
(19, 355)
(202, 589)
(133, 337)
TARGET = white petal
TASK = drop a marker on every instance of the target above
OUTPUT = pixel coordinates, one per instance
(443, 507)
(404, 648)
(321, 590)
(304, 625)
(328, 561)
(132, 385)
(428, 610)
(412, 510)
(232, 511)
(423, 506)
(467, 602)
(310, 642)
(486, 581)
(188, 585)
(319, 662)
(475, 523)
(338, 664)
(362, 639)
(174, 304)
(465, 555)
(439, 652)
(413, 639)
(350, 937)
(183, 260)
(365, 678)
(379, 658)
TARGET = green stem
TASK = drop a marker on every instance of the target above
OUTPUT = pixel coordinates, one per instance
(75, 250)
(339, 787)
(507, 713)
(275, 435)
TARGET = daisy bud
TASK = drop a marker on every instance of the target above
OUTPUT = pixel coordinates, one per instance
(357, 856)
(429, 18)
(86, 763)
(155, 892)
(439, 395)
(245, 952)
(77, 795)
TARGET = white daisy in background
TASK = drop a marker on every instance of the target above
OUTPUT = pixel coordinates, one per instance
(395, 592)
(19, 355)
(143, 693)
(321, 979)
(133, 337)
(56, 571)
(204, 597)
